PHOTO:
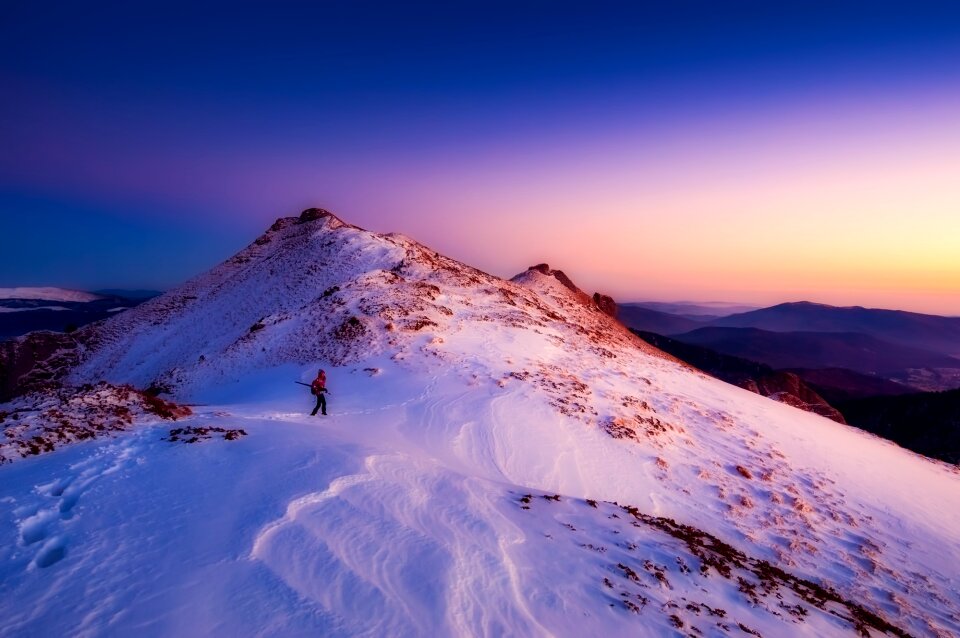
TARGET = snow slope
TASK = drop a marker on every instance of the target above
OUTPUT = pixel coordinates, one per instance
(459, 403)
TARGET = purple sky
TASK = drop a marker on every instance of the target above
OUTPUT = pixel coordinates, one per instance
(742, 151)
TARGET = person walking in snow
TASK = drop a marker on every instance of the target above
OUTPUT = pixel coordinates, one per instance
(319, 388)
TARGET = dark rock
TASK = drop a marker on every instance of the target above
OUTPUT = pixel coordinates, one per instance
(785, 387)
(36, 361)
(312, 214)
(925, 422)
(562, 277)
(606, 304)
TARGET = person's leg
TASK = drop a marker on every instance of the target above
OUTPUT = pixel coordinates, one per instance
(322, 402)
(317, 406)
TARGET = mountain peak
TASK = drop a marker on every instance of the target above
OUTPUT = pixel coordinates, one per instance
(313, 288)
(308, 215)
(542, 274)
(559, 275)
(314, 214)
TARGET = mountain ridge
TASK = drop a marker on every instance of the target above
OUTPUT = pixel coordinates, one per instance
(930, 332)
(473, 422)
(808, 349)
(392, 278)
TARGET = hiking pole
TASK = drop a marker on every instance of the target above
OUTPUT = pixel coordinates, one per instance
(302, 383)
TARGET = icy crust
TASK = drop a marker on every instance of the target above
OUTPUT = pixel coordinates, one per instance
(44, 421)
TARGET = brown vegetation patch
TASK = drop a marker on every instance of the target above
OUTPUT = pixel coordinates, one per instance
(350, 329)
(723, 558)
(419, 324)
(193, 434)
(164, 409)
(761, 583)
(619, 429)
(44, 421)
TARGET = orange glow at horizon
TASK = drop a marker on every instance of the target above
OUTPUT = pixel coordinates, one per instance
(838, 210)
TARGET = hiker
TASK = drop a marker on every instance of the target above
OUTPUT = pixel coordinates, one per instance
(319, 387)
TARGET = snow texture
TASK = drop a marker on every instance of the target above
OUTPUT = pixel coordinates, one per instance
(501, 458)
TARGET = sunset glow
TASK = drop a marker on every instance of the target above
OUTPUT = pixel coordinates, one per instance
(756, 166)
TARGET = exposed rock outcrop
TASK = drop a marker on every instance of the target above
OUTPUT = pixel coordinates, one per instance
(36, 361)
(788, 388)
(48, 419)
(785, 387)
(606, 304)
(603, 303)
(312, 214)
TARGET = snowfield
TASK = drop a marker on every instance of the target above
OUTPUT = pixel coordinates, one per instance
(501, 458)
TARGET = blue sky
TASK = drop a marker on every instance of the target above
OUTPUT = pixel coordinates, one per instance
(143, 142)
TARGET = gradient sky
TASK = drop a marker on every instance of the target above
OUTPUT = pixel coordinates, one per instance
(697, 150)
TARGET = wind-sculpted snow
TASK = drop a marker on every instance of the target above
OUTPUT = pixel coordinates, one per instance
(444, 565)
(453, 396)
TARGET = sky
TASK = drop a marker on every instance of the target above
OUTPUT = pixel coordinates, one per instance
(740, 151)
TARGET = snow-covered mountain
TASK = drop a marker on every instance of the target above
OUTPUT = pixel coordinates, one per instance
(47, 294)
(502, 458)
(24, 310)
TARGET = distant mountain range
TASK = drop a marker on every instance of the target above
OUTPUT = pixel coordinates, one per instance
(928, 332)
(702, 311)
(921, 352)
(25, 309)
(925, 422)
(131, 293)
(852, 350)
(650, 320)
(783, 386)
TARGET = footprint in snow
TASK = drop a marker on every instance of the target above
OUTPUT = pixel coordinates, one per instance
(52, 552)
(41, 523)
(36, 528)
